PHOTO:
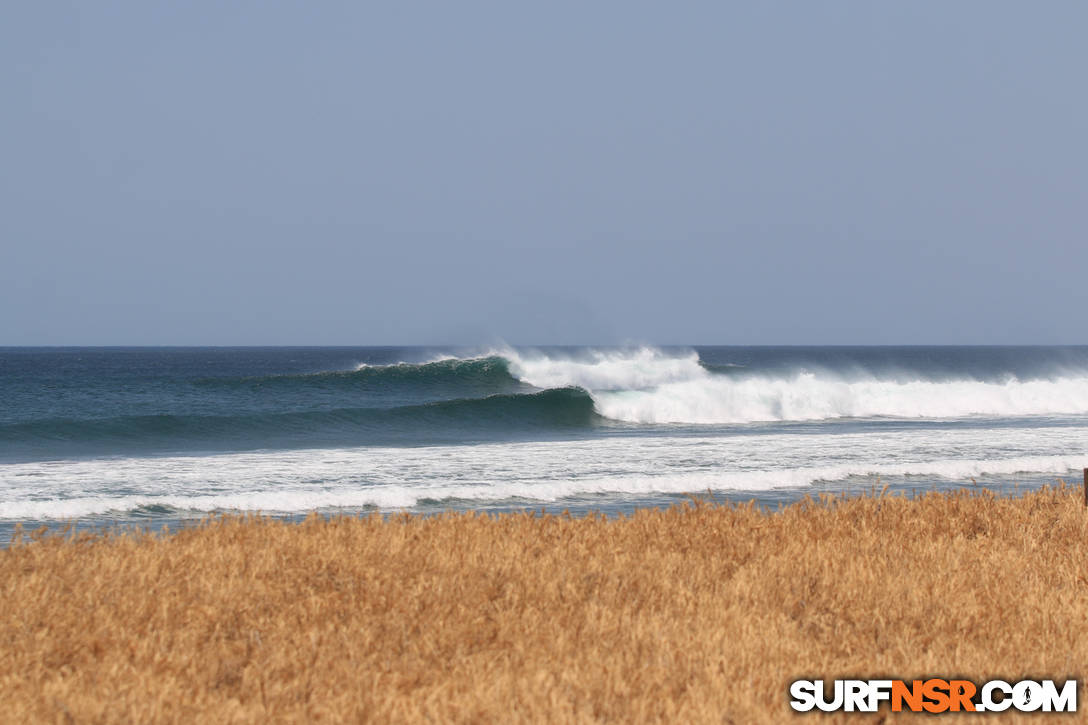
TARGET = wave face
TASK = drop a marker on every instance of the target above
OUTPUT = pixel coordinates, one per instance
(552, 409)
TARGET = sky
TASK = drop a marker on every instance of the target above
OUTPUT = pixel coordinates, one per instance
(392, 173)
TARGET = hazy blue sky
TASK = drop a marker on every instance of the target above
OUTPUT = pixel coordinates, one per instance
(402, 172)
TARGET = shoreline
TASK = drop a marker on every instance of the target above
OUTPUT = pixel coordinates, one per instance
(610, 505)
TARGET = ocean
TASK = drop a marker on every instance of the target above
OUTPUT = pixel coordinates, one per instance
(154, 436)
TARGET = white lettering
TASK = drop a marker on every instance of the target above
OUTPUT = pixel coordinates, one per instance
(835, 703)
(803, 693)
(1064, 701)
(988, 702)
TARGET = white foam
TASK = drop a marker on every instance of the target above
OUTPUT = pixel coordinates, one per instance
(806, 396)
(647, 385)
(393, 478)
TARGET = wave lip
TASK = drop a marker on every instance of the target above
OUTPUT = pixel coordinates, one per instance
(484, 370)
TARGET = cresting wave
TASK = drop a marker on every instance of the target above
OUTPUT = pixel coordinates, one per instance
(512, 389)
(501, 392)
(652, 386)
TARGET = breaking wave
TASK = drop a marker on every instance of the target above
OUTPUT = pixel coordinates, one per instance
(653, 386)
(650, 386)
(504, 391)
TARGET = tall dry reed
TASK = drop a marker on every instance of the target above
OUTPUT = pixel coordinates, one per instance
(703, 613)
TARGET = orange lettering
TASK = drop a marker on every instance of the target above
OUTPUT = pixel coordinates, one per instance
(961, 693)
(912, 695)
(936, 691)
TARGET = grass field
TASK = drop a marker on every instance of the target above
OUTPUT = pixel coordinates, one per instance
(703, 613)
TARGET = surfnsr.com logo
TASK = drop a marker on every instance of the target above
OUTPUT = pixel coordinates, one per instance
(933, 695)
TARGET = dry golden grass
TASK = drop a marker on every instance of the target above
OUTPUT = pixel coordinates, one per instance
(702, 613)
